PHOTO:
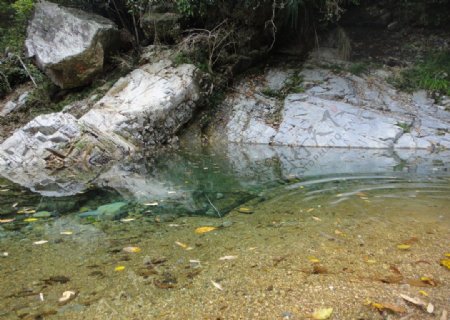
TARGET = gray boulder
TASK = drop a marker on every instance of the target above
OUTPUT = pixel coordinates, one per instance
(69, 45)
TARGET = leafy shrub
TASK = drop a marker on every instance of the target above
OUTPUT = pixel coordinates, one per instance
(433, 73)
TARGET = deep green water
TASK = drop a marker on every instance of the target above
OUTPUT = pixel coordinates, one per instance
(349, 209)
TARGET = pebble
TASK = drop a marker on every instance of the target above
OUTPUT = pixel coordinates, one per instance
(227, 224)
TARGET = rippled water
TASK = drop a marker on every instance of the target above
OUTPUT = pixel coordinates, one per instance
(328, 228)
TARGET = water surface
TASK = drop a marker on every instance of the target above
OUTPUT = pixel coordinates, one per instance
(333, 228)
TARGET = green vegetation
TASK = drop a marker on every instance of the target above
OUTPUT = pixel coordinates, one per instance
(359, 68)
(432, 73)
(277, 94)
(13, 17)
(405, 126)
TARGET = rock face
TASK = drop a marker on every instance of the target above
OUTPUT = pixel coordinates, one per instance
(24, 155)
(69, 45)
(148, 106)
(15, 105)
(145, 108)
(335, 110)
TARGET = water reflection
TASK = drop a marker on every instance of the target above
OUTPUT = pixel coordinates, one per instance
(205, 180)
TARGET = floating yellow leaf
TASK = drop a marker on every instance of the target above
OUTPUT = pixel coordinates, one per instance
(30, 220)
(201, 230)
(424, 293)
(132, 249)
(403, 246)
(322, 314)
(313, 259)
(445, 263)
(119, 268)
(26, 211)
(245, 210)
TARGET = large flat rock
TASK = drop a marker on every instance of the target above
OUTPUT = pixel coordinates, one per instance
(335, 110)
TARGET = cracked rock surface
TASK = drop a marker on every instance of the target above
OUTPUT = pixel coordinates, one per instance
(336, 109)
(146, 108)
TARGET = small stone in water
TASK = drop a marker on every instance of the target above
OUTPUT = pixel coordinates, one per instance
(217, 285)
(227, 224)
(132, 249)
(227, 258)
(151, 204)
(219, 196)
(67, 296)
(40, 242)
(42, 214)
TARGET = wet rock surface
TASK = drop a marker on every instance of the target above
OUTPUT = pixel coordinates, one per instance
(69, 45)
(336, 109)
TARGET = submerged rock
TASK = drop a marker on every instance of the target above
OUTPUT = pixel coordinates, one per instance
(69, 45)
(112, 211)
(42, 214)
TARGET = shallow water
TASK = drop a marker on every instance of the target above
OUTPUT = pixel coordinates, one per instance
(324, 232)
